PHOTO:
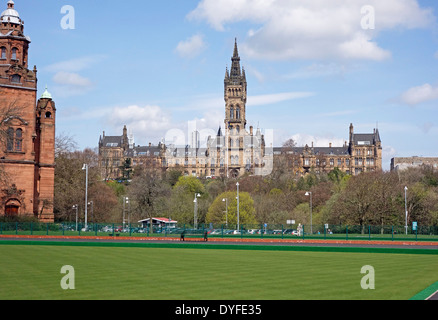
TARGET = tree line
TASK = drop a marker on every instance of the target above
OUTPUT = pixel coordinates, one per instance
(371, 198)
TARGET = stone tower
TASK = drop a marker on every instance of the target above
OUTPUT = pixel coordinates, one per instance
(235, 95)
(27, 130)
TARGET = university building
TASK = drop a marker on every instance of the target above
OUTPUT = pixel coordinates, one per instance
(27, 152)
(235, 151)
(363, 153)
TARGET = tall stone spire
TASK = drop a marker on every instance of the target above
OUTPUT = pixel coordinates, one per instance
(236, 72)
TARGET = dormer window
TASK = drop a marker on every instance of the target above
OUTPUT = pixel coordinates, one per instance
(16, 78)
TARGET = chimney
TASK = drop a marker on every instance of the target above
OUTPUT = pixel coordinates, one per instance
(250, 130)
(150, 144)
(330, 144)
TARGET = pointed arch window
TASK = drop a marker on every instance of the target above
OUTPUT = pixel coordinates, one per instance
(237, 112)
(232, 112)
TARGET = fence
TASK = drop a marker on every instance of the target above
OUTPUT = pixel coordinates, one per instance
(263, 231)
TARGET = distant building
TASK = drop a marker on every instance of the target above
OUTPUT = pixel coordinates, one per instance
(235, 151)
(402, 163)
(363, 153)
(118, 155)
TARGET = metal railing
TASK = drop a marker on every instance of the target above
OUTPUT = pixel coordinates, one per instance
(260, 231)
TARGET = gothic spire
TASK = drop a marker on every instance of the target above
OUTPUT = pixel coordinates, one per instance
(235, 66)
(236, 51)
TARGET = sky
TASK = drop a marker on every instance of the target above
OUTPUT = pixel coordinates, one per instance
(312, 66)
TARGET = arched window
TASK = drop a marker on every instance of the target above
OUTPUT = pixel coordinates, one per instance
(10, 139)
(14, 141)
(3, 53)
(237, 112)
(232, 112)
(19, 140)
(14, 53)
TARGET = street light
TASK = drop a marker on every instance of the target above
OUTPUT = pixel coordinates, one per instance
(76, 207)
(308, 193)
(85, 167)
(226, 210)
(91, 203)
(195, 218)
(125, 200)
(406, 212)
(238, 222)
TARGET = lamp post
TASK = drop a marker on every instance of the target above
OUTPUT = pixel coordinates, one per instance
(308, 193)
(129, 211)
(195, 218)
(85, 167)
(406, 211)
(91, 203)
(76, 207)
(226, 210)
(238, 219)
(125, 200)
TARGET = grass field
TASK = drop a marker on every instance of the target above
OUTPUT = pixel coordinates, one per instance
(191, 273)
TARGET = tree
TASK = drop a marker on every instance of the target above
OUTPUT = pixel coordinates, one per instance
(217, 212)
(147, 193)
(70, 185)
(191, 184)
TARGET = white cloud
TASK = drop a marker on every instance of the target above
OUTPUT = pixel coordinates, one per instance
(67, 81)
(420, 94)
(317, 70)
(191, 47)
(147, 123)
(317, 29)
(318, 141)
(75, 65)
(276, 97)
(72, 79)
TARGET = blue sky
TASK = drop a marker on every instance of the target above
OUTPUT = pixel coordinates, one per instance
(313, 67)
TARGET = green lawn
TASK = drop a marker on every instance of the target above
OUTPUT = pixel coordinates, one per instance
(34, 272)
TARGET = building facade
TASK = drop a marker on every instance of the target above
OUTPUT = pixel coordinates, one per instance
(402, 163)
(118, 155)
(363, 153)
(235, 151)
(27, 154)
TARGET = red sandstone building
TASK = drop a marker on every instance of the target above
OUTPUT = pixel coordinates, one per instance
(27, 128)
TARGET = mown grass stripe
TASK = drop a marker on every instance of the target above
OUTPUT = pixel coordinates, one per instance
(224, 246)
